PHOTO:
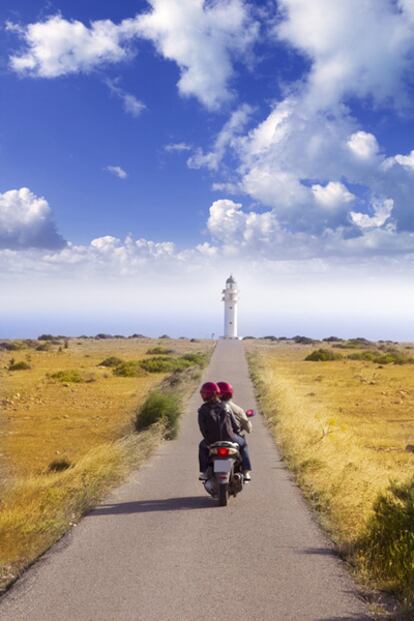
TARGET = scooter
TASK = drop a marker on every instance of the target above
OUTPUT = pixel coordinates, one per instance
(225, 474)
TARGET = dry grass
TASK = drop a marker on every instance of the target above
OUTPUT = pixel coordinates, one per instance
(86, 424)
(345, 428)
(38, 510)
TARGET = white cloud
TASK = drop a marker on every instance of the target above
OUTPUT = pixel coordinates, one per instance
(229, 224)
(363, 145)
(118, 171)
(332, 195)
(407, 161)
(26, 221)
(382, 211)
(202, 38)
(131, 104)
(359, 47)
(57, 46)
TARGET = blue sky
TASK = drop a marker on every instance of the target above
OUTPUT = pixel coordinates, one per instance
(150, 148)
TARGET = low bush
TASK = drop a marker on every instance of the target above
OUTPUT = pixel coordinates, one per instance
(323, 355)
(195, 358)
(43, 347)
(58, 465)
(378, 357)
(388, 546)
(112, 361)
(160, 351)
(19, 366)
(332, 339)
(303, 340)
(130, 368)
(164, 364)
(68, 376)
(165, 407)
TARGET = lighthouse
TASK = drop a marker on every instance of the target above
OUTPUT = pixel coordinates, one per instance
(230, 299)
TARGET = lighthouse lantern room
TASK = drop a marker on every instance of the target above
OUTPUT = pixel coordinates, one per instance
(230, 299)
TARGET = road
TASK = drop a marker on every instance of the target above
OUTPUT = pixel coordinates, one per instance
(160, 549)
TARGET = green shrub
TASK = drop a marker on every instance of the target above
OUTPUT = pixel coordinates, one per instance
(389, 543)
(43, 347)
(164, 364)
(19, 366)
(378, 357)
(323, 355)
(160, 351)
(112, 361)
(130, 368)
(68, 376)
(195, 358)
(58, 465)
(159, 406)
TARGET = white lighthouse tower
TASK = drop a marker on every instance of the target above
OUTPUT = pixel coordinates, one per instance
(230, 299)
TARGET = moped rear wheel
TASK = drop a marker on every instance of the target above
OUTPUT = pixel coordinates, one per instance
(223, 495)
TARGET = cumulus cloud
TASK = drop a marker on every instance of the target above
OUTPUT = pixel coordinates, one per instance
(118, 171)
(26, 221)
(57, 46)
(406, 161)
(332, 195)
(363, 145)
(202, 38)
(309, 160)
(382, 211)
(360, 47)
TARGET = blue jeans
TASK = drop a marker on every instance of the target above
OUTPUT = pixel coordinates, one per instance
(244, 454)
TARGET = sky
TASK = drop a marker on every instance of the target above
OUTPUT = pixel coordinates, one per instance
(150, 148)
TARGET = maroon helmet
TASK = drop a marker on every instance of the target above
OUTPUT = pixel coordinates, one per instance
(226, 390)
(209, 390)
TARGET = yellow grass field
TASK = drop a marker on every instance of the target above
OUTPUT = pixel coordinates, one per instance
(346, 428)
(87, 425)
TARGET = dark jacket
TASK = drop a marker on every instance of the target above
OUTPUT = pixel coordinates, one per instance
(216, 422)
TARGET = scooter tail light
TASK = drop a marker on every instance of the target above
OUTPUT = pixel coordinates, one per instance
(223, 451)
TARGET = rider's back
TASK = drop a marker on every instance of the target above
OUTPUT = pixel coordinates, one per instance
(216, 422)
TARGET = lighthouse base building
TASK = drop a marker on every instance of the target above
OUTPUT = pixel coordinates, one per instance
(230, 299)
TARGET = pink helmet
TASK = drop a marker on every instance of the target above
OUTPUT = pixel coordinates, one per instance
(226, 390)
(209, 390)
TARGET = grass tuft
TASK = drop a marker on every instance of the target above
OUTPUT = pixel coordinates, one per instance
(19, 366)
(388, 545)
(164, 407)
(160, 351)
(71, 376)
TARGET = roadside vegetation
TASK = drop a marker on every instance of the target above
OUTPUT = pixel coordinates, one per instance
(345, 425)
(73, 425)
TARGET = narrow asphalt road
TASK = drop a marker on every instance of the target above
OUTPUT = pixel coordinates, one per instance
(160, 549)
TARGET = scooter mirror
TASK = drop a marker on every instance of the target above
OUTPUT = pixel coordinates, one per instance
(250, 413)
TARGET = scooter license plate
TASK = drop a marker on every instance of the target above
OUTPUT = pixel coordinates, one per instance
(222, 465)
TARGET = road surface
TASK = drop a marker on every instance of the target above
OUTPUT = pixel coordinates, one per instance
(160, 549)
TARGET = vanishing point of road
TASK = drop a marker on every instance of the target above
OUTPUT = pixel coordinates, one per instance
(160, 549)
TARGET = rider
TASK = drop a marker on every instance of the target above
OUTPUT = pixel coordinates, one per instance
(226, 394)
(217, 422)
